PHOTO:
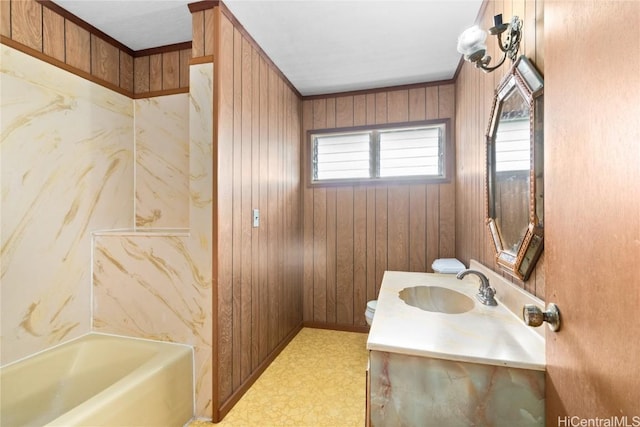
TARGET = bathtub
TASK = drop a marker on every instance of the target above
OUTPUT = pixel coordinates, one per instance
(100, 380)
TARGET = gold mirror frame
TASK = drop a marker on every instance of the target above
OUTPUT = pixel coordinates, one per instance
(520, 259)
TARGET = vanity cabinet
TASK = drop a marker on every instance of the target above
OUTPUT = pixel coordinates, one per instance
(408, 390)
(437, 366)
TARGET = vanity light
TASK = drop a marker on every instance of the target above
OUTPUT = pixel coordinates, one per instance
(471, 42)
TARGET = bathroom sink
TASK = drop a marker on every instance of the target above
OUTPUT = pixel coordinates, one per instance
(436, 299)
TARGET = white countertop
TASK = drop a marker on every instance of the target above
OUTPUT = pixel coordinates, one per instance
(487, 335)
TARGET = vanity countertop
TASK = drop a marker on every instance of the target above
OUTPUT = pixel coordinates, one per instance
(486, 335)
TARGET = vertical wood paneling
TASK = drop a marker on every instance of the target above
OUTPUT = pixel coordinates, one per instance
(52, 34)
(236, 204)
(185, 56)
(255, 202)
(141, 74)
(308, 216)
(398, 228)
(359, 241)
(473, 100)
(5, 18)
(66, 38)
(359, 110)
(371, 244)
(105, 60)
(264, 200)
(417, 228)
(320, 255)
(209, 33)
(433, 224)
(170, 70)
(371, 228)
(155, 72)
(272, 212)
(344, 255)
(417, 104)
(246, 253)
(78, 47)
(446, 109)
(331, 231)
(344, 111)
(26, 23)
(398, 106)
(126, 71)
(381, 234)
(197, 33)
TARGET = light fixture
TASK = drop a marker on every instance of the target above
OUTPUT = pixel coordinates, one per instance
(471, 42)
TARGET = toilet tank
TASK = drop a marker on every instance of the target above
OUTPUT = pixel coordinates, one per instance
(447, 266)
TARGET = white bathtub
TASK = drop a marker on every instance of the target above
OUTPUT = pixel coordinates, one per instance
(100, 380)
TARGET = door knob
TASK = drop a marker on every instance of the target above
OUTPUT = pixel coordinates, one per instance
(533, 316)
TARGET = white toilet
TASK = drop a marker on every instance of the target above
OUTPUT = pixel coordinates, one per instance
(441, 265)
(370, 311)
(447, 266)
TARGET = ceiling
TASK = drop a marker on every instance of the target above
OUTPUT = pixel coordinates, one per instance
(322, 46)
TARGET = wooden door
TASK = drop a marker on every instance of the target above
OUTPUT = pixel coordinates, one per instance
(592, 209)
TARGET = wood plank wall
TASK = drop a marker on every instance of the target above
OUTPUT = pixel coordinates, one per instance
(352, 234)
(258, 297)
(45, 30)
(474, 98)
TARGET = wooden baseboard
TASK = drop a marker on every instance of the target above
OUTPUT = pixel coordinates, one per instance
(336, 327)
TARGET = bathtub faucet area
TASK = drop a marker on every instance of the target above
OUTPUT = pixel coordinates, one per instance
(485, 293)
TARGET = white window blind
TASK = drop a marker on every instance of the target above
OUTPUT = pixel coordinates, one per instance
(512, 145)
(415, 152)
(342, 156)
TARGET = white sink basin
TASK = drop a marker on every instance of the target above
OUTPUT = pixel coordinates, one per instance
(436, 299)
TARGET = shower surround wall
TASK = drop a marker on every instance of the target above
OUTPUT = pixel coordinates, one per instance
(66, 170)
(162, 162)
(68, 167)
(157, 284)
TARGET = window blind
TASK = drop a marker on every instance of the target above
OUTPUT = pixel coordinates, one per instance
(415, 152)
(342, 156)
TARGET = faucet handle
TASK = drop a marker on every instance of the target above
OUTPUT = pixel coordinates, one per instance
(486, 296)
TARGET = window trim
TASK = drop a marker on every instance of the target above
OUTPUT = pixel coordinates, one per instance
(448, 156)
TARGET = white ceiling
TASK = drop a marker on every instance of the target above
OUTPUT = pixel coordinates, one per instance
(322, 46)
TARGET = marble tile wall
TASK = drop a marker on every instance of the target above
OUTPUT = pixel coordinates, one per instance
(66, 168)
(158, 285)
(162, 162)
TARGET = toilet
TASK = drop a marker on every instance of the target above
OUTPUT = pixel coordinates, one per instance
(441, 265)
(370, 311)
(447, 266)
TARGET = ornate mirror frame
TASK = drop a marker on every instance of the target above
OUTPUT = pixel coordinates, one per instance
(519, 259)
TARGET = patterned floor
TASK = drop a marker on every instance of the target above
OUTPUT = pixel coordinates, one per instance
(318, 380)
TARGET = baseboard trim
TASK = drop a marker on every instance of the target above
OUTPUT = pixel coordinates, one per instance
(336, 327)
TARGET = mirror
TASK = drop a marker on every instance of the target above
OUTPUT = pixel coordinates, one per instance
(515, 170)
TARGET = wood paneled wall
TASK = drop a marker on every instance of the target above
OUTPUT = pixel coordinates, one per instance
(352, 234)
(474, 98)
(45, 30)
(258, 297)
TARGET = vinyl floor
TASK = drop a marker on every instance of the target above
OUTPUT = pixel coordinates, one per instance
(318, 380)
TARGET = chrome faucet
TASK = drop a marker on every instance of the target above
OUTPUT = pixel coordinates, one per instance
(486, 293)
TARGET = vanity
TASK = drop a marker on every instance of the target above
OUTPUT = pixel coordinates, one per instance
(438, 357)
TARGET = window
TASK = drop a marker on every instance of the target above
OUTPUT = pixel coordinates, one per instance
(391, 153)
